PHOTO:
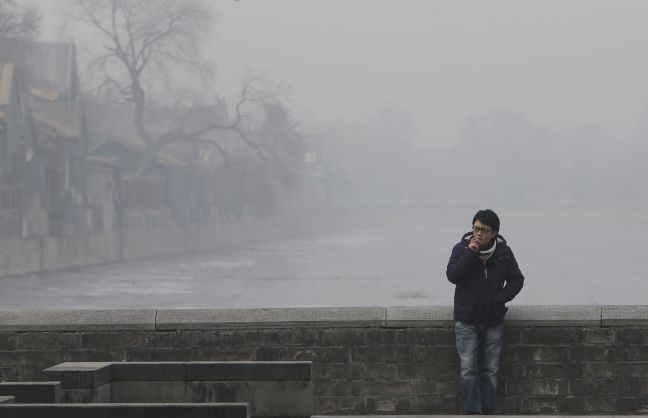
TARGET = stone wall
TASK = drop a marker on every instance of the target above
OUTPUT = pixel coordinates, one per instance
(370, 360)
(151, 234)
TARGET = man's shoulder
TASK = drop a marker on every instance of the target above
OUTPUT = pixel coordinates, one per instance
(504, 249)
(459, 245)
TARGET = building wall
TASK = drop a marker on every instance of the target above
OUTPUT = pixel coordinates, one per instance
(373, 360)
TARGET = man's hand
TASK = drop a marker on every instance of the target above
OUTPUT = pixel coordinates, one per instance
(474, 245)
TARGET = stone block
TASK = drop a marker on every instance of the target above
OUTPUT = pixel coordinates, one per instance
(424, 354)
(32, 392)
(632, 354)
(631, 336)
(266, 398)
(551, 370)
(108, 340)
(377, 354)
(273, 338)
(331, 388)
(584, 353)
(592, 387)
(115, 410)
(151, 392)
(348, 371)
(419, 316)
(588, 405)
(271, 354)
(554, 315)
(159, 354)
(399, 388)
(633, 370)
(99, 394)
(600, 336)
(537, 387)
(625, 316)
(149, 371)
(382, 336)
(341, 405)
(631, 386)
(8, 341)
(77, 320)
(600, 370)
(542, 354)
(540, 405)
(270, 318)
(51, 340)
(631, 405)
(439, 371)
(223, 354)
(306, 337)
(79, 375)
(7, 374)
(378, 371)
(287, 370)
(435, 387)
(553, 335)
(434, 404)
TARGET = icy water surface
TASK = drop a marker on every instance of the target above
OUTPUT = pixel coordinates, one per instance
(568, 257)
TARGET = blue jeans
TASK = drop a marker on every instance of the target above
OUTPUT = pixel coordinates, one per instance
(479, 350)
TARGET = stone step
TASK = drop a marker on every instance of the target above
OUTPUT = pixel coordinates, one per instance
(114, 410)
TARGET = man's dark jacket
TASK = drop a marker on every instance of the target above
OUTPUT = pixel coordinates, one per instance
(482, 290)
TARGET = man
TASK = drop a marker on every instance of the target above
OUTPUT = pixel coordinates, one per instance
(486, 276)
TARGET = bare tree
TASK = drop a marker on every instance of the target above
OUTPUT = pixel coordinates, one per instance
(142, 42)
(18, 22)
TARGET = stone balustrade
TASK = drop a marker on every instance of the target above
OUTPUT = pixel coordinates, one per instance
(366, 360)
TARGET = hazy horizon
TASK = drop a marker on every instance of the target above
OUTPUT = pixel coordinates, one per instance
(563, 65)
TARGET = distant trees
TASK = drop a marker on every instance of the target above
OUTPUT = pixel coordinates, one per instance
(149, 47)
(18, 22)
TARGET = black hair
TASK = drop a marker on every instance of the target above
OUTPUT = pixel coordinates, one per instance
(487, 217)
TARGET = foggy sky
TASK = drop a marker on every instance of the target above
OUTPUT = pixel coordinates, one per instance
(561, 63)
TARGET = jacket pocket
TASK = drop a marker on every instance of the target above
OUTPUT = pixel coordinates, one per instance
(498, 310)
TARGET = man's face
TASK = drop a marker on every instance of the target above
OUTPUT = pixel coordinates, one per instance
(484, 234)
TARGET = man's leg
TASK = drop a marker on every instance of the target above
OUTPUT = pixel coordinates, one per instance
(489, 365)
(467, 340)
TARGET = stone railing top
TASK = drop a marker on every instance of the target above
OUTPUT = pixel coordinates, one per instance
(77, 320)
(333, 317)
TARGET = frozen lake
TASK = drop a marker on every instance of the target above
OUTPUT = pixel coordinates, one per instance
(569, 257)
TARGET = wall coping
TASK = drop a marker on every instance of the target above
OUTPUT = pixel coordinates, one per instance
(332, 317)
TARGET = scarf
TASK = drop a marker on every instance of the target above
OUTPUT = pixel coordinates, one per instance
(485, 254)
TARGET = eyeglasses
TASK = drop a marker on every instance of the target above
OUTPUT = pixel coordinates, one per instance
(478, 229)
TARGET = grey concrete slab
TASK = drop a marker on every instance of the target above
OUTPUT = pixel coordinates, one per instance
(7, 399)
(553, 315)
(419, 316)
(624, 315)
(149, 371)
(77, 320)
(266, 398)
(129, 391)
(270, 318)
(250, 370)
(32, 392)
(117, 410)
(77, 375)
(99, 394)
